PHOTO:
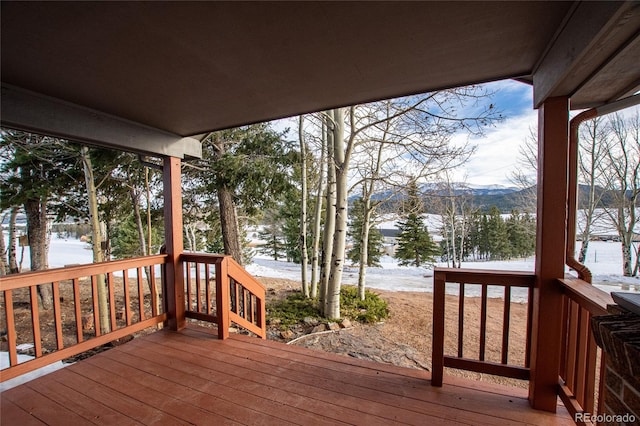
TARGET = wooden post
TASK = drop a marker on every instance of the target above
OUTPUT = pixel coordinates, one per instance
(222, 297)
(553, 148)
(437, 354)
(173, 293)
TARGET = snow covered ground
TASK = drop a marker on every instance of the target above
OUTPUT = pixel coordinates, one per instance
(604, 260)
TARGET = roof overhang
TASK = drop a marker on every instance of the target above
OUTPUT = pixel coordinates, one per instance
(182, 69)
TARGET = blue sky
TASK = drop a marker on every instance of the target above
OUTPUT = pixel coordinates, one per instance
(497, 152)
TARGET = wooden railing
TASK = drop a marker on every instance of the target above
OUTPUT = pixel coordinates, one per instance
(235, 295)
(582, 362)
(467, 279)
(132, 305)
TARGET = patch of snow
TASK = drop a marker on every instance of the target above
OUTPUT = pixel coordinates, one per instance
(12, 383)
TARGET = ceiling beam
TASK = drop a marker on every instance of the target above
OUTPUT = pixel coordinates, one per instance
(591, 36)
(32, 112)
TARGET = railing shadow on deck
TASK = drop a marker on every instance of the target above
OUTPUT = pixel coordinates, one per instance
(235, 296)
(466, 279)
(132, 305)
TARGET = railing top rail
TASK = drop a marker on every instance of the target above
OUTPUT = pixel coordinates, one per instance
(202, 257)
(486, 276)
(591, 298)
(27, 279)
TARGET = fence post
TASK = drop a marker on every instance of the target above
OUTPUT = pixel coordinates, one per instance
(222, 297)
(437, 356)
(173, 293)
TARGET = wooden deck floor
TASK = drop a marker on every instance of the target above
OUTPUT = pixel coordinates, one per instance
(191, 378)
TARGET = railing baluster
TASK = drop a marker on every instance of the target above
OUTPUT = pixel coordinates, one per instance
(572, 349)
(140, 294)
(236, 288)
(506, 318)
(461, 321)
(207, 288)
(96, 308)
(11, 328)
(154, 291)
(112, 301)
(35, 320)
(57, 315)
(78, 311)
(483, 323)
(198, 302)
(581, 365)
(590, 373)
(527, 352)
(127, 298)
(187, 266)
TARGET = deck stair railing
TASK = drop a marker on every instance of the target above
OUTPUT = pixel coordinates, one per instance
(465, 280)
(132, 305)
(582, 363)
(220, 291)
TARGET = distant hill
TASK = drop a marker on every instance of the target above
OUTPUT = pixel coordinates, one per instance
(504, 198)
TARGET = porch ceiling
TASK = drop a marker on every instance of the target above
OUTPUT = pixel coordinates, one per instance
(188, 68)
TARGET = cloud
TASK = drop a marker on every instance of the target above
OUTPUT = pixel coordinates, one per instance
(497, 152)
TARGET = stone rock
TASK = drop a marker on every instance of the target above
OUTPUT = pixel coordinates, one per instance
(310, 321)
(287, 334)
(318, 328)
(333, 326)
(368, 344)
(346, 323)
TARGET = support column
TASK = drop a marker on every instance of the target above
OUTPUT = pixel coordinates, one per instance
(553, 150)
(173, 293)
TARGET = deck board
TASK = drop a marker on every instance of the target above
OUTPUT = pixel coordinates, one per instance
(190, 377)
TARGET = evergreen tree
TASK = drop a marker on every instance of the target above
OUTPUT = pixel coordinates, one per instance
(273, 238)
(499, 246)
(125, 240)
(374, 248)
(248, 169)
(521, 232)
(415, 245)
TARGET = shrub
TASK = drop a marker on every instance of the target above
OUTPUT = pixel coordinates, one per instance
(371, 309)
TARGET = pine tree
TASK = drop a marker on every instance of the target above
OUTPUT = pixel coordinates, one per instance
(374, 248)
(415, 245)
(273, 236)
(499, 247)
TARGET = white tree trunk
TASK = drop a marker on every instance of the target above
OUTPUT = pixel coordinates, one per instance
(304, 260)
(364, 245)
(332, 303)
(329, 222)
(317, 214)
